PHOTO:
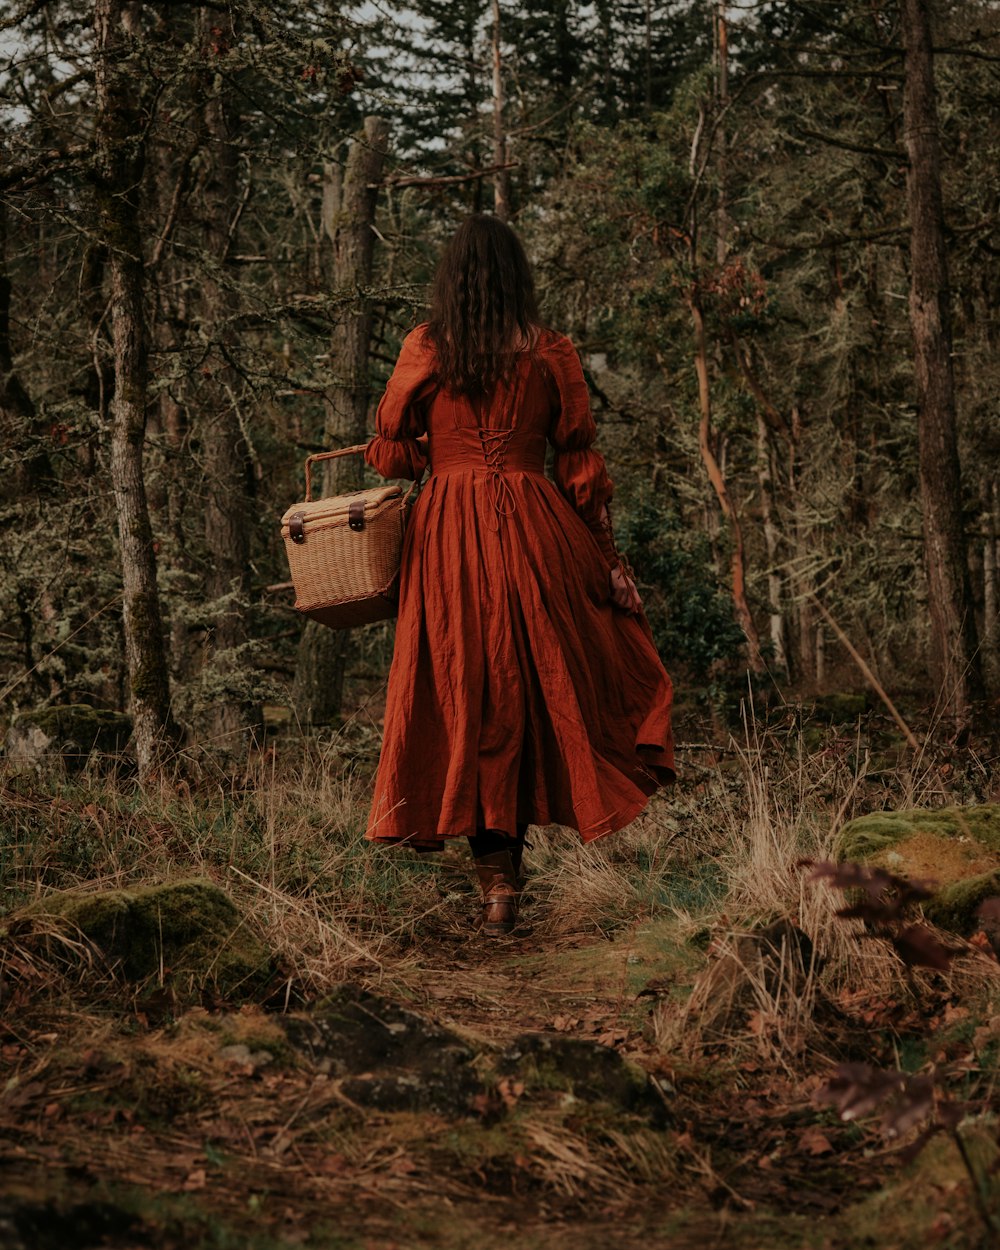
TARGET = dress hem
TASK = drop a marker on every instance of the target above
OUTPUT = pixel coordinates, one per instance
(613, 825)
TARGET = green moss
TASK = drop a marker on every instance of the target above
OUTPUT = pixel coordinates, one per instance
(190, 932)
(866, 836)
(954, 907)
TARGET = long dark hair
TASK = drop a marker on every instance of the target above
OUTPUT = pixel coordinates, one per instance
(482, 303)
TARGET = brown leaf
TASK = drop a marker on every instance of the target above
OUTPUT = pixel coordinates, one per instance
(918, 947)
(989, 910)
(510, 1090)
(332, 1165)
(814, 1142)
(757, 1023)
(565, 1024)
(195, 1179)
(986, 1033)
(402, 1165)
(856, 1089)
(982, 943)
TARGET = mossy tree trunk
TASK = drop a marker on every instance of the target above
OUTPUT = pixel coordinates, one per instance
(323, 653)
(954, 649)
(228, 474)
(119, 160)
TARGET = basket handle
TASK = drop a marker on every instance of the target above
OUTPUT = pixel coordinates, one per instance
(328, 455)
(357, 449)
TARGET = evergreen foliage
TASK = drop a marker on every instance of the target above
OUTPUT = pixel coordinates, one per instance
(777, 203)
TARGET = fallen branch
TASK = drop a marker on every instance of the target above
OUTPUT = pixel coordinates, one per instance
(869, 676)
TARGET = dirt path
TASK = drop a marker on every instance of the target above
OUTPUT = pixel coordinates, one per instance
(508, 1093)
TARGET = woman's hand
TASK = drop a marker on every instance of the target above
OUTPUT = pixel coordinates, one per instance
(623, 592)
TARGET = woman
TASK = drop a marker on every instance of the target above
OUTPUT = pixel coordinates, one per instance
(525, 687)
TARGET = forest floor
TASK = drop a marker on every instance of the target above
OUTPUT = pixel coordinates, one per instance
(641, 1062)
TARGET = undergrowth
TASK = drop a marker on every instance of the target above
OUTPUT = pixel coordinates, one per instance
(704, 953)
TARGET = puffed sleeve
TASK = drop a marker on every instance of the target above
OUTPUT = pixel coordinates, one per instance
(580, 471)
(401, 416)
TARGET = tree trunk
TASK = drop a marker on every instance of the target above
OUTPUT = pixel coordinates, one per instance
(717, 478)
(955, 663)
(721, 138)
(991, 590)
(765, 480)
(501, 179)
(233, 718)
(19, 424)
(323, 653)
(119, 159)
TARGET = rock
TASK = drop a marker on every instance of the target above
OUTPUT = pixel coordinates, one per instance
(26, 743)
(190, 930)
(73, 731)
(587, 1070)
(957, 848)
(394, 1059)
(241, 1054)
(49, 1225)
(386, 1055)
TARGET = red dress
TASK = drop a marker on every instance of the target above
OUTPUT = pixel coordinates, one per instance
(517, 692)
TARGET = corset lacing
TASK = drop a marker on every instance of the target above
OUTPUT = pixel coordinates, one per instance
(494, 444)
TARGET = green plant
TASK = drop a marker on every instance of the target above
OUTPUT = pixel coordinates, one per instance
(689, 612)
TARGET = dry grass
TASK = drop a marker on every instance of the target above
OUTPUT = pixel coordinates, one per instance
(706, 868)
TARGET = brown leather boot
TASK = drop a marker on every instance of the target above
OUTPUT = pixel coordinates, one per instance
(499, 886)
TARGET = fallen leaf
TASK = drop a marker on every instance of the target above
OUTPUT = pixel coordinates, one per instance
(510, 1091)
(564, 1024)
(195, 1179)
(815, 1142)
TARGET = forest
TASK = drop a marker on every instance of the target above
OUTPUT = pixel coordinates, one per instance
(764, 1015)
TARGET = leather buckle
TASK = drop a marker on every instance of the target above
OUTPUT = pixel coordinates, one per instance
(356, 514)
(296, 527)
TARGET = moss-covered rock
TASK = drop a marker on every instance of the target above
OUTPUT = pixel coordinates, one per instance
(587, 1070)
(861, 838)
(956, 848)
(74, 730)
(386, 1055)
(190, 932)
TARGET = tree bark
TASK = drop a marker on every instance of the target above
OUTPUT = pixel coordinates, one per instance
(721, 138)
(119, 160)
(772, 542)
(991, 588)
(955, 661)
(233, 719)
(323, 653)
(501, 180)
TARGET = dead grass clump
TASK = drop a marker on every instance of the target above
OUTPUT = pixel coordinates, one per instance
(286, 844)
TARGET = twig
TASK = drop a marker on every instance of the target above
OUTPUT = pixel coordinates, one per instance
(25, 675)
(445, 179)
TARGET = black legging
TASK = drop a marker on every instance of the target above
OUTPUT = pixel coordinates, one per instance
(489, 841)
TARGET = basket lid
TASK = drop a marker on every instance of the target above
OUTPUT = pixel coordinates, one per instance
(338, 506)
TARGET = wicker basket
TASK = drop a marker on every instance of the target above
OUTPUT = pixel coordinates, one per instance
(344, 552)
